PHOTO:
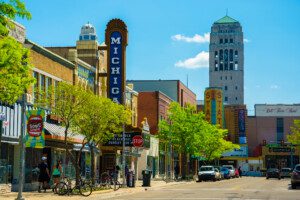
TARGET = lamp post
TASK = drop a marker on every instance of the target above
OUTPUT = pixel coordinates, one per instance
(22, 148)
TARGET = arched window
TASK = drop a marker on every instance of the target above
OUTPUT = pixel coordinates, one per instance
(236, 65)
(236, 53)
(230, 55)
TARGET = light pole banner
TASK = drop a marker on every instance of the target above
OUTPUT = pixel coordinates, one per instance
(35, 135)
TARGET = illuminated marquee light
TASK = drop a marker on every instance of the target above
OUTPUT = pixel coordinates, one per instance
(115, 67)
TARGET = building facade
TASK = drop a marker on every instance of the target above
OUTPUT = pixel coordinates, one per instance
(268, 130)
(174, 89)
(226, 59)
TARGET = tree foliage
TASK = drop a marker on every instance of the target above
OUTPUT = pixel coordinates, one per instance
(15, 75)
(9, 11)
(294, 138)
(190, 133)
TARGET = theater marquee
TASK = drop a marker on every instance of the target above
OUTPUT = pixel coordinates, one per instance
(116, 41)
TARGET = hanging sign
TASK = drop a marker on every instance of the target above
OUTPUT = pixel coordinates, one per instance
(116, 41)
(35, 136)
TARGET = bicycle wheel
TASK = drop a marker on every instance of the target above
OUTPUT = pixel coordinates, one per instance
(116, 186)
(85, 189)
(61, 188)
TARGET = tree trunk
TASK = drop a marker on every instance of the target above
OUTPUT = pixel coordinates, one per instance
(92, 164)
(184, 165)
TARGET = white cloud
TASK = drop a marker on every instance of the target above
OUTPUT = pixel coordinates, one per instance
(199, 61)
(274, 87)
(246, 40)
(195, 39)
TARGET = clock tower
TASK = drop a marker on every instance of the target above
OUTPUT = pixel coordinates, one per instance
(226, 59)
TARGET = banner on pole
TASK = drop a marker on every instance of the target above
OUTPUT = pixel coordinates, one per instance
(35, 136)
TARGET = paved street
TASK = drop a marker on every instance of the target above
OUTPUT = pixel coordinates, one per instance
(256, 188)
(242, 188)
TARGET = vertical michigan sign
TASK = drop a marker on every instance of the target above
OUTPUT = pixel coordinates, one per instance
(116, 41)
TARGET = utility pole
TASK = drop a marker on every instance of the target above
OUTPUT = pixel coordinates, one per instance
(123, 139)
(22, 147)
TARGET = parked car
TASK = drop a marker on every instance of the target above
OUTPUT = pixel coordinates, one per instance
(208, 173)
(286, 172)
(225, 172)
(231, 170)
(273, 173)
(236, 173)
(295, 178)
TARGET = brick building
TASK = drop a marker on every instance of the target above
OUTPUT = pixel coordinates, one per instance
(154, 107)
(268, 129)
(174, 89)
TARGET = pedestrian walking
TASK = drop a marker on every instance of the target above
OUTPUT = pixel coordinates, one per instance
(176, 170)
(240, 172)
(56, 174)
(44, 176)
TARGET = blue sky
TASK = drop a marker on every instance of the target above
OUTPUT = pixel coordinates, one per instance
(271, 27)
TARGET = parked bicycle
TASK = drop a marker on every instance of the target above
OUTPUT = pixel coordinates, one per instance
(68, 186)
(110, 181)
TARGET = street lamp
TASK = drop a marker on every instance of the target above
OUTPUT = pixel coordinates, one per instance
(22, 149)
(123, 140)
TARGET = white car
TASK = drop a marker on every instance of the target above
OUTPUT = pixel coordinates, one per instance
(208, 173)
(231, 170)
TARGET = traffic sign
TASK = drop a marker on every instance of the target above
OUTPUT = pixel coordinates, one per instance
(137, 141)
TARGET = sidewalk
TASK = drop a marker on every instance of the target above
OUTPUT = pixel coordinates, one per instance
(103, 194)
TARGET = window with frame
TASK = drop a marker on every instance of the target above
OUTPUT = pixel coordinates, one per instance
(216, 54)
(231, 40)
(236, 53)
(236, 65)
(221, 41)
(226, 98)
(226, 41)
(216, 65)
(226, 88)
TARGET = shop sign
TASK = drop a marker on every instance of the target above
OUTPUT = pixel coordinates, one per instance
(130, 139)
(87, 74)
(277, 110)
(35, 136)
(281, 149)
(213, 108)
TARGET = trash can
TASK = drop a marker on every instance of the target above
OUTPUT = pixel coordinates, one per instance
(146, 178)
(130, 179)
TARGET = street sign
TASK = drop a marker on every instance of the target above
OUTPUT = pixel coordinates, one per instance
(2, 116)
(137, 141)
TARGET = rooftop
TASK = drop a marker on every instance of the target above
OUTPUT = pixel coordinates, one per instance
(226, 20)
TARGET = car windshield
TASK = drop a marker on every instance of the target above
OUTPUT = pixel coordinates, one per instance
(206, 169)
(228, 167)
(297, 168)
(224, 169)
(272, 170)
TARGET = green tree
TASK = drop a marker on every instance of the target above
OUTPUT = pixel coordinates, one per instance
(190, 133)
(66, 102)
(213, 144)
(99, 120)
(182, 130)
(15, 75)
(294, 138)
(8, 12)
